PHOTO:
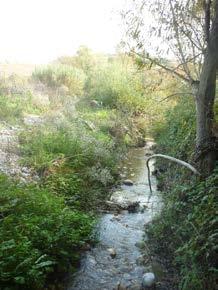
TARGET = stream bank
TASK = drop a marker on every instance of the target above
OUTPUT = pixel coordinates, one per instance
(118, 261)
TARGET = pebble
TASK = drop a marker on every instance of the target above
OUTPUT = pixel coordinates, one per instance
(121, 287)
(140, 261)
(135, 287)
(112, 252)
(148, 280)
(128, 182)
(140, 245)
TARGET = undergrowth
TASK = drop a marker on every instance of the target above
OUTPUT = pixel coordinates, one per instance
(185, 229)
(55, 76)
(95, 108)
(16, 100)
(77, 163)
(39, 234)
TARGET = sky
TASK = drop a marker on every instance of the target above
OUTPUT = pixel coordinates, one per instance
(39, 31)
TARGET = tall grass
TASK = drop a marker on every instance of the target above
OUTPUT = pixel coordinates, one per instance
(55, 76)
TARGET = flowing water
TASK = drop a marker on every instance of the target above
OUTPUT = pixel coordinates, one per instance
(115, 262)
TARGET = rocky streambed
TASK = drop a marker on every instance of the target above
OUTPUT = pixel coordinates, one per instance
(10, 159)
(120, 258)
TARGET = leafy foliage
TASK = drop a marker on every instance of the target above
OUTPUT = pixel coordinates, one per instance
(117, 86)
(38, 233)
(176, 134)
(185, 229)
(72, 162)
(17, 99)
(74, 150)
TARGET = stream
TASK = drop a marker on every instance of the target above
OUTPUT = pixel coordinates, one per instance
(116, 262)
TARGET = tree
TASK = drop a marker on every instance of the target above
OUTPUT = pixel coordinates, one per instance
(188, 34)
(84, 59)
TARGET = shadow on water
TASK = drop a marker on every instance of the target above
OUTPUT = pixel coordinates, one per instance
(116, 259)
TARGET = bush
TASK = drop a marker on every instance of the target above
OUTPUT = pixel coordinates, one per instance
(80, 148)
(186, 232)
(17, 99)
(54, 76)
(117, 86)
(10, 109)
(176, 134)
(13, 108)
(185, 229)
(76, 163)
(38, 235)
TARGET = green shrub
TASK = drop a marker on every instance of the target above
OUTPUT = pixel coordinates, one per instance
(78, 164)
(185, 228)
(186, 232)
(176, 134)
(11, 110)
(55, 76)
(80, 147)
(38, 235)
(17, 99)
(117, 86)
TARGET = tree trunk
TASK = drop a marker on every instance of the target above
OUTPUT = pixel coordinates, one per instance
(206, 149)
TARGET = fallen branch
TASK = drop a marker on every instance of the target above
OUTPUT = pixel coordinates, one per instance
(178, 161)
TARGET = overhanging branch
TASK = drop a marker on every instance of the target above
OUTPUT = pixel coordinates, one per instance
(168, 69)
(173, 95)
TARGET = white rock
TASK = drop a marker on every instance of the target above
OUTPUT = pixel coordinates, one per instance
(128, 182)
(148, 279)
(112, 252)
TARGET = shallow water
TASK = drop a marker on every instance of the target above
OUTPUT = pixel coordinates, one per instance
(122, 232)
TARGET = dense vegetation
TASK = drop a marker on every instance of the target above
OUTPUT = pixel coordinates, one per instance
(90, 109)
(39, 234)
(185, 231)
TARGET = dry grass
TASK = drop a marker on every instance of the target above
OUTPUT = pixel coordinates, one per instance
(18, 69)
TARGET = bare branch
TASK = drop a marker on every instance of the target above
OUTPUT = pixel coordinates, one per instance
(156, 62)
(176, 94)
(180, 49)
(189, 60)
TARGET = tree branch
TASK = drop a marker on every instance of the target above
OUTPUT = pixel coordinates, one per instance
(170, 96)
(189, 60)
(180, 49)
(168, 69)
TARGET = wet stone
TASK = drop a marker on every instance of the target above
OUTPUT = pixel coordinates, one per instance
(140, 261)
(128, 182)
(118, 263)
(135, 287)
(148, 280)
(140, 245)
(112, 252)
(133, 207)
(121, 287)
